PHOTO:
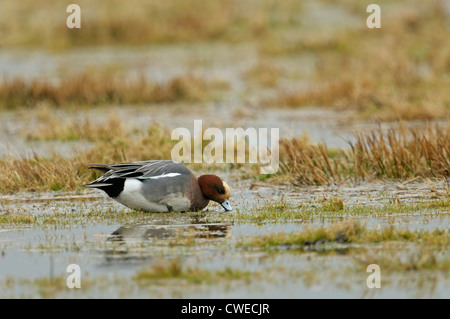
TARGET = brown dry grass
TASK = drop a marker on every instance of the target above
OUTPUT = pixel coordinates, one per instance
(56, 172)
(308, 163)
(403, 153)
(54, 128)
(264, 74)
(112, 143)
(400, 71)
(94, 87)
(135, 22)
(397, 72)
(396, 154)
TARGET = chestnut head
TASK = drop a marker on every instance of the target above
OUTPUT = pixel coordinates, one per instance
(214, 188)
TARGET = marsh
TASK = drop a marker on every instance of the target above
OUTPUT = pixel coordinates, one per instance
(360, 116)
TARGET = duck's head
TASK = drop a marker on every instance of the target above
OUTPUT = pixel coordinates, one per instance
(214, 188)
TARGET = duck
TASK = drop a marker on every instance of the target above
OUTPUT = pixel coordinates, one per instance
(160, 186)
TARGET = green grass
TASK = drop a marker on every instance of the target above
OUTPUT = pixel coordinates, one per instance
(279, 211)
(174, 269)
(347, 231)
(68, 219)
(273, 212)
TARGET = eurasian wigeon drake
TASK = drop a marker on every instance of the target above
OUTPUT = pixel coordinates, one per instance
(160, 186)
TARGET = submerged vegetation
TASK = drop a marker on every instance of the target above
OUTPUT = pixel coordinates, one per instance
(174, 269)
(347, 231)
(271, 212)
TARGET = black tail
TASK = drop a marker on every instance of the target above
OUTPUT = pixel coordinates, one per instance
(111, 185)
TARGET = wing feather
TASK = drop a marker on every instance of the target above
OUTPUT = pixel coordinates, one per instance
(139, 170)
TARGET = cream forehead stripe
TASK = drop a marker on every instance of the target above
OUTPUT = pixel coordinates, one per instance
(227, 189)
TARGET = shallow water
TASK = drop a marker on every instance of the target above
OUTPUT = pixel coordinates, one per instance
(113, 252)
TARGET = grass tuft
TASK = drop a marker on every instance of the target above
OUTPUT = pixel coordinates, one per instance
(174, 269)
(347, 231)
(396, 154)
(93, 87)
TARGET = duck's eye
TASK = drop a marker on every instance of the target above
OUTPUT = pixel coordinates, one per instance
(219, 189)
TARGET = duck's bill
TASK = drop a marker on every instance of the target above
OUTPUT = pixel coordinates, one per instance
(226, 205)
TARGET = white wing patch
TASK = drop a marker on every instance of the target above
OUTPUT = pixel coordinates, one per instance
(160, 176)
